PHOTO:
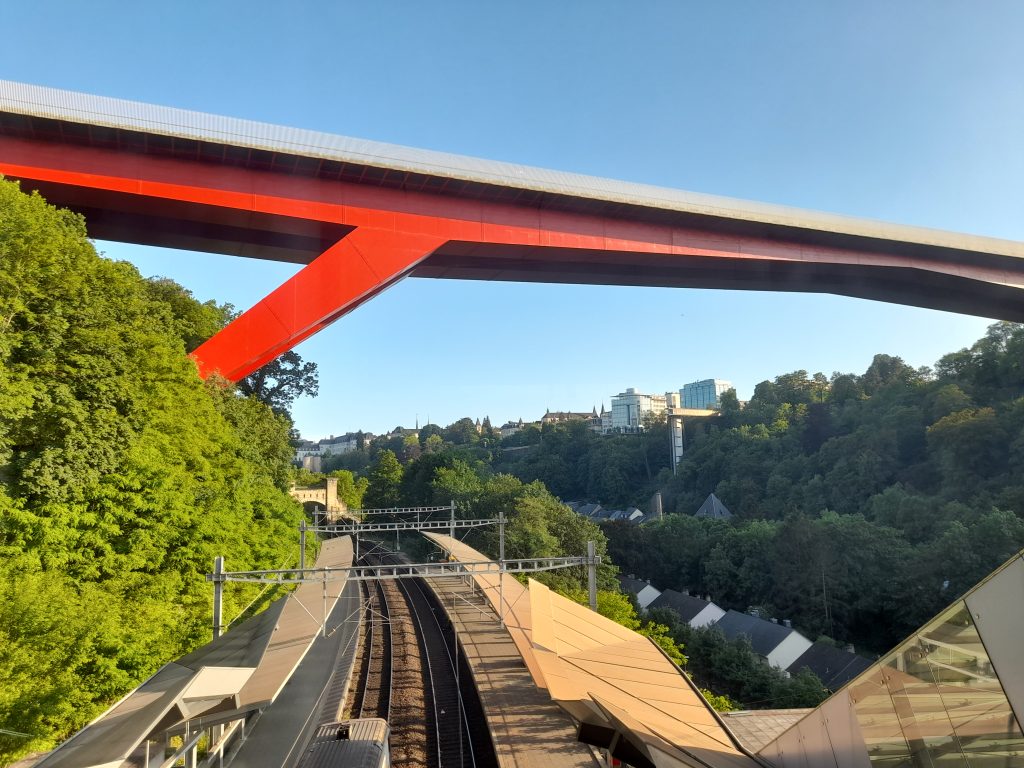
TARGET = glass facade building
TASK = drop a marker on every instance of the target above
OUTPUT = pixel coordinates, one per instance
(705, 394)
(950, 695)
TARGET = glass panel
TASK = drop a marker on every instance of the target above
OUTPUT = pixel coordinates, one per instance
(981, 718)
(883, 735)
(935, 702)
(919, 707)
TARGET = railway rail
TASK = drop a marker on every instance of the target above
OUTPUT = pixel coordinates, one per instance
(378, 655)
(412, 674)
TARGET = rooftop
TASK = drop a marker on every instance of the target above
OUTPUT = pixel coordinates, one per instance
(687, 606)
(765, 636)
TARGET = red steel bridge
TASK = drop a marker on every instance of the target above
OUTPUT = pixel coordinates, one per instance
(361, 215)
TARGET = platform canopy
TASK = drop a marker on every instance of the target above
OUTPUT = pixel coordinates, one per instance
(237, 673)
(622, 690)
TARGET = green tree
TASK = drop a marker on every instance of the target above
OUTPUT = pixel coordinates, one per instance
(122, 475)
(351, 489)
(281, 381)
(193, 321)
(385, 479)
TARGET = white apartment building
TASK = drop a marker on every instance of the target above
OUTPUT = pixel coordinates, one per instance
(630, 408)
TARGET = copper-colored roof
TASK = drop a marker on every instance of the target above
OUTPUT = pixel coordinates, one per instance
(607, 676)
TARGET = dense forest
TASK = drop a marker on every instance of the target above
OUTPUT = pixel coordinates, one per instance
(122, 475)
(863, 504)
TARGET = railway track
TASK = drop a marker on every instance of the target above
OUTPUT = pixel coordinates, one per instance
(412, 675)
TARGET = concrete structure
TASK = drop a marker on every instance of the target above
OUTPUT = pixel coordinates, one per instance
(327, 496)
(313, 463)
(362, 215)
(528, 730)
(705, 394)
(777, 644)
(222, 682)
(676, 418)
(693, 610)
(624, 694)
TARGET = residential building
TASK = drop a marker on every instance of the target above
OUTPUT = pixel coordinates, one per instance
(704, 394)
(693, 610)
(584, 508)
(555, 417)
(510, 428)
(714, 509)
(336, 446)
(835, 667)
(304, 449)
(642, 590)
(779, 644)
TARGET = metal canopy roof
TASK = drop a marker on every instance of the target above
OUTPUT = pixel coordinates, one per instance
(240, 671)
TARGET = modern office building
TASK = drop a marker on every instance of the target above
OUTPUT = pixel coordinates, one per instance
(706, 393)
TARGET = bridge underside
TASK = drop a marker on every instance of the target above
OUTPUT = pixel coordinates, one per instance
(359, 228)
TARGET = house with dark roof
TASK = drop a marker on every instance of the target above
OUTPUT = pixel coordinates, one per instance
(643, 591)
(833, 666)
(713, 508)
(779, 644)
(693, 610)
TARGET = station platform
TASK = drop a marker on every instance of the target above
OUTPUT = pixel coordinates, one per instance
(527, 728)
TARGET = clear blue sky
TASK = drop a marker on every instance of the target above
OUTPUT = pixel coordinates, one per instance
(910, 112)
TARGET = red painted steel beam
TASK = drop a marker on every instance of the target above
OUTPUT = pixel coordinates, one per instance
(347, 274)
(389, 233)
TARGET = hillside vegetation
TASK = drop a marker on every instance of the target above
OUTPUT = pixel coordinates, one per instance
(122, 475)
(864, 504)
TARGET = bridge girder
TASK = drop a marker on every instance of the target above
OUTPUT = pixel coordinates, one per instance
(358, 234)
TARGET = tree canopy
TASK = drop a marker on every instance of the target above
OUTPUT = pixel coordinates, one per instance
(122, 475)
(281, 381)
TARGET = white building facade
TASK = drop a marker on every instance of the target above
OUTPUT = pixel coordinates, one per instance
(630, 408)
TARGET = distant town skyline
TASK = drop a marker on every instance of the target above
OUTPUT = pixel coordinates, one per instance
(909, 112)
